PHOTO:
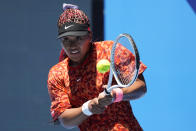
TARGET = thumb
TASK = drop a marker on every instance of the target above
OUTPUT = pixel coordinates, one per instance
(104, 86)
(101, 95)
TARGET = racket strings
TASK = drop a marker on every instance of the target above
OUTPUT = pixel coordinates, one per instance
(124, 77)
(124, 62)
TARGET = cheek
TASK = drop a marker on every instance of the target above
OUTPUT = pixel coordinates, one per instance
(64, 47)
(85, 46)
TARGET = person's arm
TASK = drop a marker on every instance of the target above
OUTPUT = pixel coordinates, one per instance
(74, 117)
(136, 90)
(61, 108)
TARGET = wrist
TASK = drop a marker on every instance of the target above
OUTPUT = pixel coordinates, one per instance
(85, 109)
(118, 95)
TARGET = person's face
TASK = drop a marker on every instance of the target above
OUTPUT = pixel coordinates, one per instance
(76, 47)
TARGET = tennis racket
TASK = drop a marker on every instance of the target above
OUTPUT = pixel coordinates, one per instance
(125, 63)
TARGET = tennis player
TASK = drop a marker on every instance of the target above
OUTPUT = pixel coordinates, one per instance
(75, 86)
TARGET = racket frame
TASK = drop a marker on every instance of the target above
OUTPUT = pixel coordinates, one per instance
(110, 87)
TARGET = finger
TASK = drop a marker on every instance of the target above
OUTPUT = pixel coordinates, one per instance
(92, 103)
(105, 99)
(109, 96)
(104, 96)
(98, 109)
(96, 101)
(101, 95)
(105, 102)
(104, 86)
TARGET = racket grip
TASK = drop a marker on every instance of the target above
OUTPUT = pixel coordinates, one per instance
(118, 93)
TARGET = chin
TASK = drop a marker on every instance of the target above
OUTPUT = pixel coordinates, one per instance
(76, 60)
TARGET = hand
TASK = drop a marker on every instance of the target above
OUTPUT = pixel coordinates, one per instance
(98, 105)
(108, 99)
(104, 99)
(95, 107)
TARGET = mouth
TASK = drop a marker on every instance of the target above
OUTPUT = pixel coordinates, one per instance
(74, 52)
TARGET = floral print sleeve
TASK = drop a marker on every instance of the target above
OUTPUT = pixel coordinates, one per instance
(58, 93)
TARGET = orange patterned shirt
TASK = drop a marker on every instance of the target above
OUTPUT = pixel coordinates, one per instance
(70, 87)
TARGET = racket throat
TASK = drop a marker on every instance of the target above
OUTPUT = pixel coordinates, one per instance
(106, 92)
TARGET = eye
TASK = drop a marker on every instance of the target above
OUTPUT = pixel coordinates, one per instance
(81, 37)
(64, 39)
(78, 38)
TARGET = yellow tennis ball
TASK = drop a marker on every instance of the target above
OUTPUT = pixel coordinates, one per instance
(103, 66)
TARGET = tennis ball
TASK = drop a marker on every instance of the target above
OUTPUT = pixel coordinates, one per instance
(103, 66)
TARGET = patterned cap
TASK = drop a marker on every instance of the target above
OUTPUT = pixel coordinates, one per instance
(72, 21)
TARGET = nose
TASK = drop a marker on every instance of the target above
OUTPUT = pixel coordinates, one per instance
(73, 45)
(70, 43)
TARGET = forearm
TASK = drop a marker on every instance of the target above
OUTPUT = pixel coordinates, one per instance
(136, 90)
(133, 93)
(75, 116)
(72, 117)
